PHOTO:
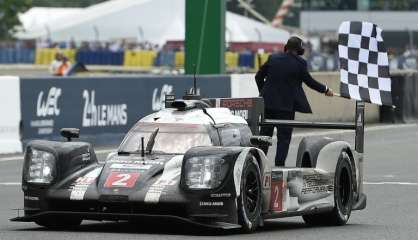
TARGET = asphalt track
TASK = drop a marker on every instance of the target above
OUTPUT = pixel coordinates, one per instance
(391, 175)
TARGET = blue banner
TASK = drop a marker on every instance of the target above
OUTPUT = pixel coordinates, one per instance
(104, 108)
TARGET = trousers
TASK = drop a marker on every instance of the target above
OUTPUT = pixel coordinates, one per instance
(284, 134)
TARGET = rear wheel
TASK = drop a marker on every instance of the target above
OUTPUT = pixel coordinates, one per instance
(249, 201)
(59, 222)
(343, 196)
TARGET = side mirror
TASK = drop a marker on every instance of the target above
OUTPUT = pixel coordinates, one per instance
(261, 141)
(70, 133)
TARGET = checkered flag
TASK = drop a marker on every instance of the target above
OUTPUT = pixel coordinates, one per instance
(364, 64)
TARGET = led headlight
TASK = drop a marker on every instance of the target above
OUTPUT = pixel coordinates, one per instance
(41, 166)
(204, 172)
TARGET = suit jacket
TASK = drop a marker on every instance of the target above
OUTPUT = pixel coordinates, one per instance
(280, 79)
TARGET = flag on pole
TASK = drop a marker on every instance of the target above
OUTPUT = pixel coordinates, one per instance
(364, 63)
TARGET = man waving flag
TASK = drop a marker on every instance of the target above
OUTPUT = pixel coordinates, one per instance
(364, 64)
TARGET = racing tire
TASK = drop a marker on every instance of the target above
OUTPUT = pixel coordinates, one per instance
(59, 222)
(343, 196)
(250, 199)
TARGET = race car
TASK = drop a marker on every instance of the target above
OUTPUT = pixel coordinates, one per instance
(198, 162)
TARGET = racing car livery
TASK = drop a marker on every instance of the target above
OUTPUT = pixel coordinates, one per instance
(197, 162)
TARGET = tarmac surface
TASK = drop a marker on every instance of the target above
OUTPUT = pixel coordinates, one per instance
(391, 184)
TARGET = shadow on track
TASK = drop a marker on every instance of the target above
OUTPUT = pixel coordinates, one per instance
(170, 227)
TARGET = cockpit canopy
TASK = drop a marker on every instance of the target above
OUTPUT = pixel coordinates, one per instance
(172, 138)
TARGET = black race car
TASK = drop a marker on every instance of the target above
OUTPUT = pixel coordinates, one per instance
(197, 162)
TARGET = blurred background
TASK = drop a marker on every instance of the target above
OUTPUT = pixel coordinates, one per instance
(40, 37)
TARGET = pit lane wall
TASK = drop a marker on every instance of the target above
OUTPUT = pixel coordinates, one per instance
(10, 115)
(324, 108)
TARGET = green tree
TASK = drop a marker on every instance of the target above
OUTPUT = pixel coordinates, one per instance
(65, 3)
(8, 16)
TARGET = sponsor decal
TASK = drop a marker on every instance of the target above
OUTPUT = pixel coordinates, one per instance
(85, 157)
(47, 107)
(237, 103)
(238, 107)
(30, 198)
(220, 195)
(158, 188)
(316, 183)
(85, 180)
(130, 166)
(267, 181)
(121, 180)
(95, 115)
(135, 162)
(241, 113)
(169, 177)
(211, 204)
(277, 187)
(81, 184)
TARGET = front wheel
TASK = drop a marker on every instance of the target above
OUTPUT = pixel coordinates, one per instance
(343, 196)
(249, 201)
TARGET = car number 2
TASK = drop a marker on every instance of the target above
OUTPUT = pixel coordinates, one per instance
(118, 179)
(277, 196)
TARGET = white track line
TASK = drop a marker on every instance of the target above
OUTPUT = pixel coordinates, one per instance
(367, 129)
(9, 183)
(5, 159)
(20, 157)
(392, 183)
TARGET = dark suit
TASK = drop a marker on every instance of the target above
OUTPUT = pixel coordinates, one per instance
(279, 81)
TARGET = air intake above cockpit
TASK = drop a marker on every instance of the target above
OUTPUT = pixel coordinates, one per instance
(184, 105)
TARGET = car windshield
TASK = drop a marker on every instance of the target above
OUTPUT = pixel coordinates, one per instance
(171, 138)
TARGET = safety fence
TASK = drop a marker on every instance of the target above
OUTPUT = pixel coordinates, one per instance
(16, 55)
(245, 60)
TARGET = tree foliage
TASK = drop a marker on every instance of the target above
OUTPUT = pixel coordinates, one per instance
(65, 3)
(8, 16)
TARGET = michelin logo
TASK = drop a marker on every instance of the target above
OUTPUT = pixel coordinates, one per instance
(102, 115)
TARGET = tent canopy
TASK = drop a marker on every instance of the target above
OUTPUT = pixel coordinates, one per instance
(41, 17)
(156, 21)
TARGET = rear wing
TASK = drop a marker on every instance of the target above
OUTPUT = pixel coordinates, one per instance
(357, 125)
(252, 110)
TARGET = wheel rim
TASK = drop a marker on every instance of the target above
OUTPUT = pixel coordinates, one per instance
(344, 190)
(251, 192)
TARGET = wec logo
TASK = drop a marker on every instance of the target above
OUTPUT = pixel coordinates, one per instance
(48, 106)
(158, 101)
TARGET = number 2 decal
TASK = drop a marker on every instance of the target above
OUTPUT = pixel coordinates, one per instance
(276, 197)
(118, 179)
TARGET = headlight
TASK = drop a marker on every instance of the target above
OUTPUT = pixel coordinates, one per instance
(41, 166)
(204, 172)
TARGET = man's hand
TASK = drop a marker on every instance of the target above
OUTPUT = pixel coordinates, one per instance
(329, 92)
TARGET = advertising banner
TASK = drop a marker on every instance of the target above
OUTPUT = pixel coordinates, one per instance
(104, 108)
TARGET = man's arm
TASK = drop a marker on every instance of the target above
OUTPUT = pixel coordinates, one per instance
(261, 75)
(312, 83)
